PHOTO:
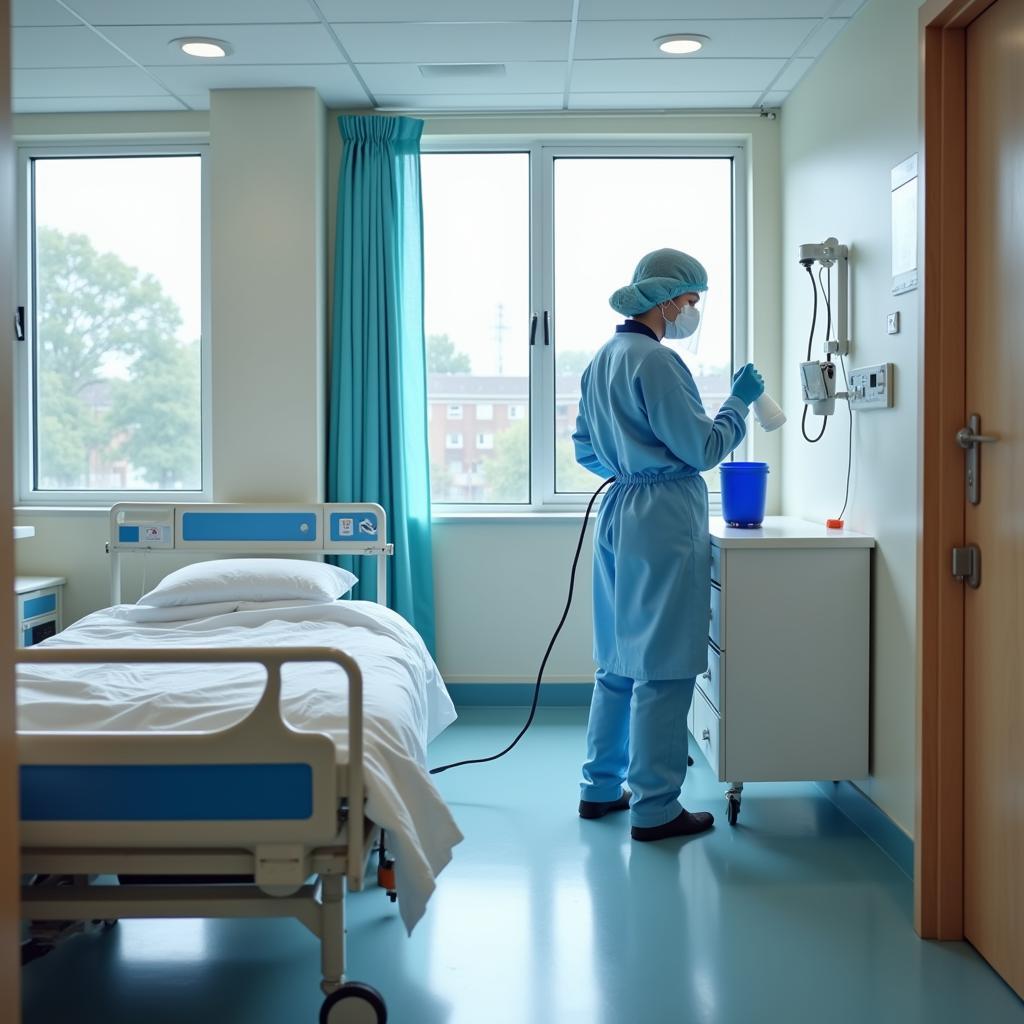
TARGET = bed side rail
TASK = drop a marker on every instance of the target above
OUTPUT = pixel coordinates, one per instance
(259, 784)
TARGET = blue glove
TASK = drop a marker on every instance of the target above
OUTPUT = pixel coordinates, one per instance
(748, 384)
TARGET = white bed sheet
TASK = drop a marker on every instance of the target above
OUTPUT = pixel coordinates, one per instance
(405, 705)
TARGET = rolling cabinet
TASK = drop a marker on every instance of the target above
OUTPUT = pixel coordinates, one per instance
(785, 694)
(39, 601)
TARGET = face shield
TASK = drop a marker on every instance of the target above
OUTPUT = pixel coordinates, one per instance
(683, 323)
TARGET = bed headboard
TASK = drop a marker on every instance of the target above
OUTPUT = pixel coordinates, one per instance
(234, 529)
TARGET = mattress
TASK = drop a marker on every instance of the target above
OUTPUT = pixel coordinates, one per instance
(405, 704)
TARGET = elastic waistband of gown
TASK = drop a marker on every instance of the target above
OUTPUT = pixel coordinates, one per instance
(649, 479)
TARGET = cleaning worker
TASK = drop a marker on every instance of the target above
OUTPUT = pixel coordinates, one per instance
(642, 421)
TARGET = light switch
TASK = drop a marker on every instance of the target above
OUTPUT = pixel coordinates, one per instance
(893, 325)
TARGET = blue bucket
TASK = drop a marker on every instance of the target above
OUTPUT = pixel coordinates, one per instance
(744, 488)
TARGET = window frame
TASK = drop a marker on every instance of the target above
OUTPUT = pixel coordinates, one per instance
(26, 494)
(541, 409)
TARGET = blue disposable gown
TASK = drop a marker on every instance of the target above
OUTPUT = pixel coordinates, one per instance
(642, 421)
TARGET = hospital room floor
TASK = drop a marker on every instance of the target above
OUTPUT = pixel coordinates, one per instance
(541, 918)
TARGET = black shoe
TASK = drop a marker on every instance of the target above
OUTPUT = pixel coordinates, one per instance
(599, 808)
(686, 824)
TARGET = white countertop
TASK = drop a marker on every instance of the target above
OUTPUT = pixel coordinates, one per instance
(24, 532)
(26, 584)
(786, 532)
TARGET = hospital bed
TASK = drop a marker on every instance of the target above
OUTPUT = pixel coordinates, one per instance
(277, 814)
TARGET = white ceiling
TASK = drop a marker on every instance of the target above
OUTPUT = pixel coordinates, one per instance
(91, 55)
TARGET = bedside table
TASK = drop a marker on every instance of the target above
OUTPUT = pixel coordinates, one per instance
(39, 608)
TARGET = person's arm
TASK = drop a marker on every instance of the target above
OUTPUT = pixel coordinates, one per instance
(677, 416)
(585, 454)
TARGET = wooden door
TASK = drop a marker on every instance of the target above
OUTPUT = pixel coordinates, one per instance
(994, 389)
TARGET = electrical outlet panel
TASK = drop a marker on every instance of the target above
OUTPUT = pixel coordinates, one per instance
(871, 387)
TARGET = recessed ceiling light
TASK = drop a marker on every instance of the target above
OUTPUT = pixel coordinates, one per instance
(680, 45)
(197, 46)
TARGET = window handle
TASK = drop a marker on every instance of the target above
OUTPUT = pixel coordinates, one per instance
(547, 328)
(533, 330)
(19, 324)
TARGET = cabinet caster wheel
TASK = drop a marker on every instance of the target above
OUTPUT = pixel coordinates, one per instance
(733, 811)
(354, 1003)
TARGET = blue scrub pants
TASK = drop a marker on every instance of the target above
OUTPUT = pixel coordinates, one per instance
(646, 744)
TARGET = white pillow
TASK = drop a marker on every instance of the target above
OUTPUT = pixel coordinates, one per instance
(250, 579)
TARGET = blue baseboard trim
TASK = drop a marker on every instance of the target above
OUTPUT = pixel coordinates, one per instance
(873, 822)
(520, 695)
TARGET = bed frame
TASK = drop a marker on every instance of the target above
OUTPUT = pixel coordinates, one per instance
(258, 799)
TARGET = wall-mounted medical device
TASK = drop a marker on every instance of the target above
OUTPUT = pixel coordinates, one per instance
(818, 377)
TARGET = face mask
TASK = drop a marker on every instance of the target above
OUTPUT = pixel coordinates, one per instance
(684, 324)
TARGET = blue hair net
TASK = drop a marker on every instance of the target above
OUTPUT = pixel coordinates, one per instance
(660, 275)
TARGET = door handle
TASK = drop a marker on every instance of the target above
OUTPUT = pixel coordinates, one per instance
(533, 330)
(547, 328)
(970, 438)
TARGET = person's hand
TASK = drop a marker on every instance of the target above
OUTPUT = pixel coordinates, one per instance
(748, 384)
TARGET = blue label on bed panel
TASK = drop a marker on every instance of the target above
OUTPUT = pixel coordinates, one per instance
(167, 792)
(249, 526)
(354, 526)
(34, 606)
(128, 535)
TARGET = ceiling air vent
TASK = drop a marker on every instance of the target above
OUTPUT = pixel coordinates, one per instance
(462, 70)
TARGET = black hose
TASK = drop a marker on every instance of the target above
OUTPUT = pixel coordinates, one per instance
(547, 653)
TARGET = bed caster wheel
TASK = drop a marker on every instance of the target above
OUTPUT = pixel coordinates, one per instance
(354, 1003)
(733, 811)
(689, 761)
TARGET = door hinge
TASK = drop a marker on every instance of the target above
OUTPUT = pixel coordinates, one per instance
(967, 565)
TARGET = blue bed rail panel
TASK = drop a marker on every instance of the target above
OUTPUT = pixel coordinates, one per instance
(166, 792)
(249, 526)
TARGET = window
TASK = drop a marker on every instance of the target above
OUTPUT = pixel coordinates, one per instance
(112, 369)
(453, 442)
(519, 328)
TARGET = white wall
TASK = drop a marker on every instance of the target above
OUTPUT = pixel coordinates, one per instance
(851, 119)
(268, 284)
(494, 627)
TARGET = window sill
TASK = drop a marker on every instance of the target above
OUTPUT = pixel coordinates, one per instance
(49, 510)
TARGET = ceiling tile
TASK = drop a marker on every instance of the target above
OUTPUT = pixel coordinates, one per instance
(62, 48)
(91, 104)
(661, 100)
(336, 83)
(678, 10)
(192, 12)
(40, 12)
(775, 99)
(755, 38)
(823, 37)
(673, 76)
(449, 44)
(510, 102)
(82, 82)
(250, 44)
(405, 79)
(788, 79)
(848, 8)
(446, 10)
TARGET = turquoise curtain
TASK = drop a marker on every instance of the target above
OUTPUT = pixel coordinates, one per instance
(377, 449)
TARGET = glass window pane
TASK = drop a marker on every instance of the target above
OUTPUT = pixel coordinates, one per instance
(117, 272)
(608, 213)
(476, 217)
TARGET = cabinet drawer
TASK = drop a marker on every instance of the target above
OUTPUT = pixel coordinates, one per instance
(707, 733)
(715, 630)
(717, 569)
(36, 603)
(711, 681)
